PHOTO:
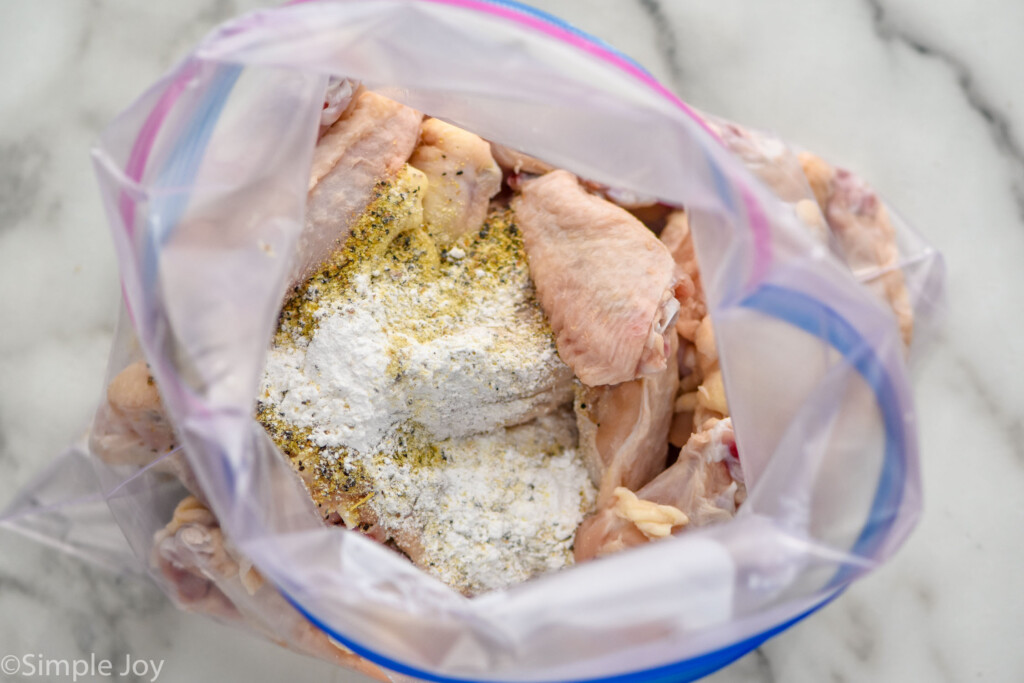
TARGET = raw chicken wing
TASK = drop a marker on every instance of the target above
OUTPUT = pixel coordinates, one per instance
(605, 282)
(623, 429)
(461, 179)
(204, 571)
(859, 220)
(370, 142)
(132, 428)
(704, 486)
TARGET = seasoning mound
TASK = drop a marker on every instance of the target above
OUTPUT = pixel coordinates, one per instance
(418, 393)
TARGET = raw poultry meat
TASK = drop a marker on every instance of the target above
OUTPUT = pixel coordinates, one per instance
(522, 167)
(832, 203)
(371, 141)
(190, 553)
(767, 157)
(689, 292)
(339, 95)
(206, 574)
(860, 221)
(514, 162)
(701, 388)
(706, 481)
(132, 428)
(710, 399)
(461, 179)
(701, 392)
(604, 280)
(705, 485)
(779, 168)
(623, 429)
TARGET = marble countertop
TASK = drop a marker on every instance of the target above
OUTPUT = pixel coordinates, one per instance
(922, 98)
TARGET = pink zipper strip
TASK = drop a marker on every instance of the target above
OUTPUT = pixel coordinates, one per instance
(143, 144)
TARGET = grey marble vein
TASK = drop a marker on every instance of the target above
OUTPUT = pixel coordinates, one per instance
(192, 28)
(938, 658)
(763, 662)
(859, 638)
(215, 12)
(1009, 421)
(6, 458)
(88, 31)
(23, 167)
(99, 620)
(924, 595)
(24, 587)
(997, 122)
(95, 612)
(666, 40)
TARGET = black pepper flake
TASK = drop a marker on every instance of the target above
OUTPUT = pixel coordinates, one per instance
(458, 173)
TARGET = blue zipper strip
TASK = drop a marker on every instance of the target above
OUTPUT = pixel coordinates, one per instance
(678, 672)
(182, 166)
(564, 25)
(820, 320)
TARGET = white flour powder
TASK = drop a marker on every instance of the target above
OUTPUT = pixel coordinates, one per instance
(338, 384)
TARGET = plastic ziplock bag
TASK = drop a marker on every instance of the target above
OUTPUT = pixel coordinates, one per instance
(205, 179)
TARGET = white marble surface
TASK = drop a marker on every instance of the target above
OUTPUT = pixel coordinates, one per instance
(923, 98)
